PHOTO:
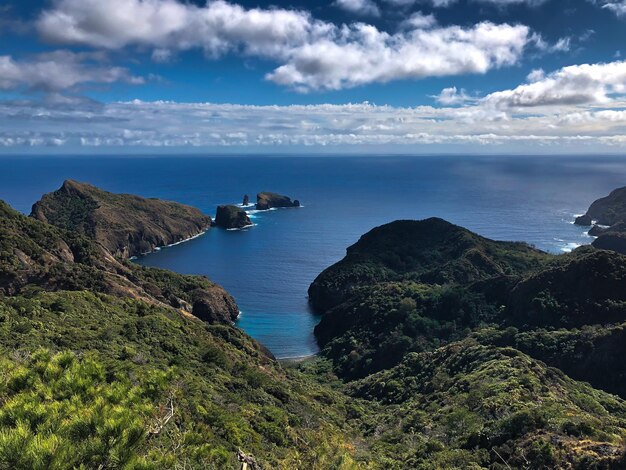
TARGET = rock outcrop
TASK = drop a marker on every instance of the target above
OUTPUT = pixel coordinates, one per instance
(232, 217)
(584, 220)
(126, 225)
(610, 215)
(266, 201)
(246, 200)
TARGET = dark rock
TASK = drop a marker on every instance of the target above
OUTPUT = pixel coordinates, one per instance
(614, 241)
(597, 230)
(266, 201)
(611, 209)
(246, 200)
(231, 217)
(584, 220)
(214, 306)
(126, 225)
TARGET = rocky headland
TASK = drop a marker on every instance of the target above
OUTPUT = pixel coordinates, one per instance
(607, 218)
(127, 225)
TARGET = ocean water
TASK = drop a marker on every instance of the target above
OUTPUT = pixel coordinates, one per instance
(269, 267)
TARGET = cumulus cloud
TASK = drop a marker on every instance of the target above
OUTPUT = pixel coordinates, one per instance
(314, 54)
(573, 85)
(363, 54)
(471, 126)
(360, 7)
(59, 70)
(453, 97)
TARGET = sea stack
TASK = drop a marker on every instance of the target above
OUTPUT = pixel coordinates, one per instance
(266, 201)
(246, 200)
(230, 217)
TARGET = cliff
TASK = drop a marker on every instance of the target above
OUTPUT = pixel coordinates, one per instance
(232, 217)
(266, 201)
(125, 224)
(609, 214)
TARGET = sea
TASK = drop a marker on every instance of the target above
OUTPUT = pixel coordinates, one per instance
(269, 266)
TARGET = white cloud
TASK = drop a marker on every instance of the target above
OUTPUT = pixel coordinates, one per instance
(363, 54)
(153, 125)
(59, 70)
(314, 54)
(573, 85)
(453, 97)
(167, 24)
(419, 20)
(360, 7)
(498, 3)
(616, 6)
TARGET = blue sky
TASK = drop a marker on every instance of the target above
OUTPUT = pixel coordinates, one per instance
(410, 76)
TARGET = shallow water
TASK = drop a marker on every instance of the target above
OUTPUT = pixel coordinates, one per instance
(269, 267)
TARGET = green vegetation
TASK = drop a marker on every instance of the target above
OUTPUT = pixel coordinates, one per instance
(125, 224)
(441, 349)
(447, 342)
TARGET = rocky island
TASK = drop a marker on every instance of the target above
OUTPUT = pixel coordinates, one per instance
(609, 214)
(127, 225)
(266, 201)
(232, 217)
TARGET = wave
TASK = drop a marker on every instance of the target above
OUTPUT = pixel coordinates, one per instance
(159, 248)
(241, 228)
(569, 247)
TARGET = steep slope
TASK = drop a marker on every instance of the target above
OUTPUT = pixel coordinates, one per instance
(609, 213)
(106, 365)
(125, 224)
(470, 406)
(231, 217)
(448, 349)
(36, 254)
(430, 251)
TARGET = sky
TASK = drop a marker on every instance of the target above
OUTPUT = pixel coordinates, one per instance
(304, 76)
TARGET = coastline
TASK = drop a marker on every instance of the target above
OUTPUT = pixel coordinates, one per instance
(159, 248)
(288, 361)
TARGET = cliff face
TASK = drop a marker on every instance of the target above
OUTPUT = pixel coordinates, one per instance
(610, 212)
(611, 209)
(266, 201)
(126, 225)
(230, 217)
(34, 253)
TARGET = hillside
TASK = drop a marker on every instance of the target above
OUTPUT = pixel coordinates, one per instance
(125, 224)
(440, 356)
(432, 251)
(96, 352)
(456, 342)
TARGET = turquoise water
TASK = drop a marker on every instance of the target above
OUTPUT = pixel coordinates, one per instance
(269, 267)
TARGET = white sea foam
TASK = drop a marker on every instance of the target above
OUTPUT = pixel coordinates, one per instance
(568, 248)
(159, 248)
(242, 228)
